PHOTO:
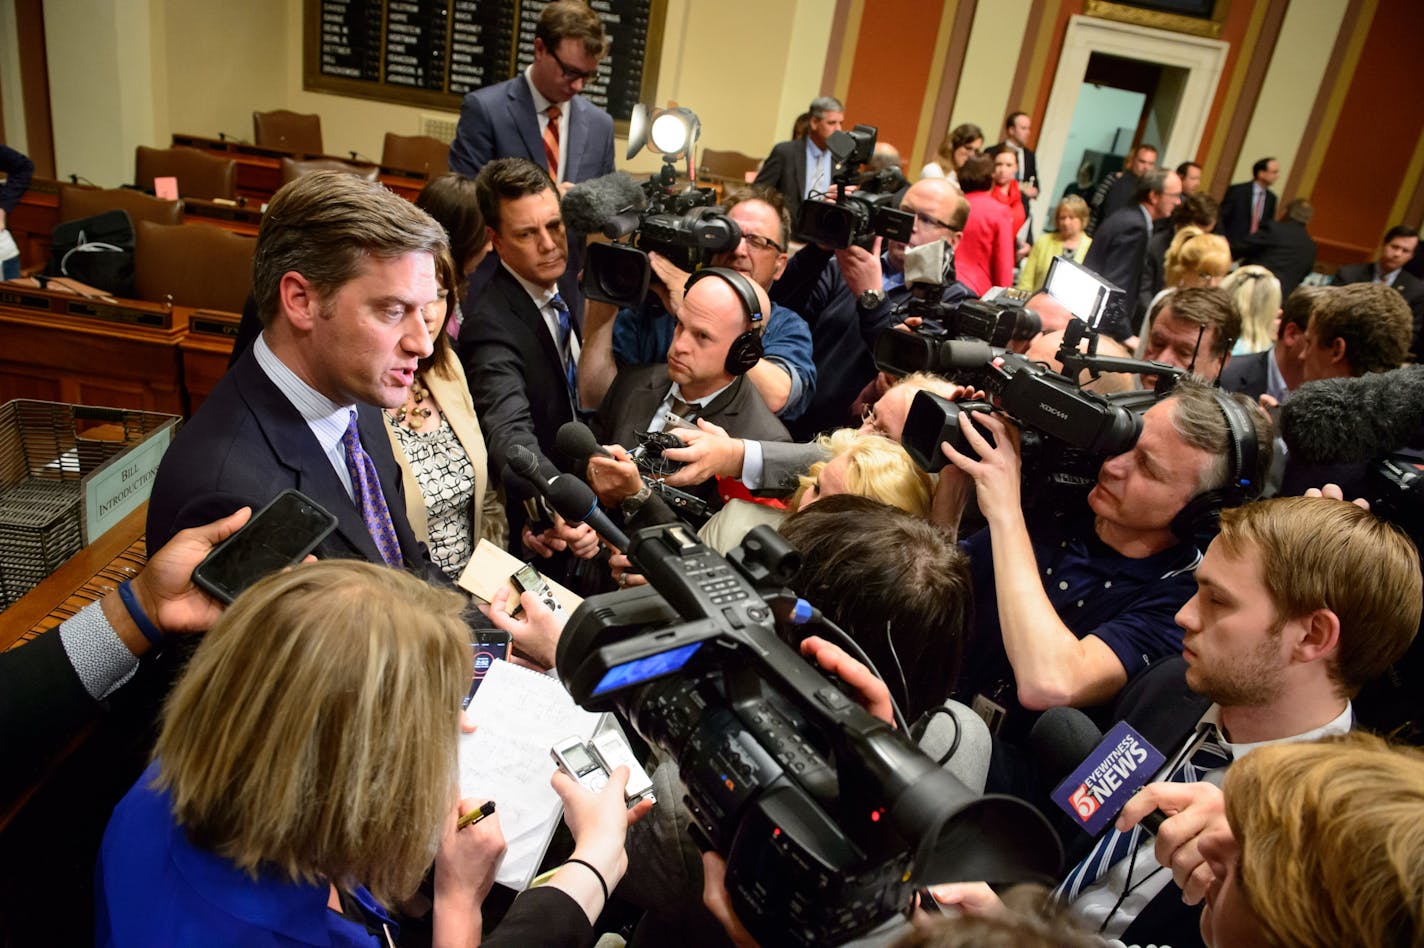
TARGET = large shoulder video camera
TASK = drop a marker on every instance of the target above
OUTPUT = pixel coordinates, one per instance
(1068, 431)
(827, 816)
(685, 226)
(859, 216)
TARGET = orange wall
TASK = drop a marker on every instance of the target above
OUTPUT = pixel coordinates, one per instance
(1377, 133)
(891, 68)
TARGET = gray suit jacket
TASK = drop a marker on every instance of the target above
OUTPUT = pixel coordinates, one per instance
(783, 463)
(498, 121)
(638, 391)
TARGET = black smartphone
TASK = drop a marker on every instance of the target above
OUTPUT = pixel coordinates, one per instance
(488, 644)
(278, 535)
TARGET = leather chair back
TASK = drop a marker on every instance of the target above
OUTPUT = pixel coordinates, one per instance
(294, 131)
(197, 264)
(425, 156)
(293, 168)
(199, 174)
(76, 202)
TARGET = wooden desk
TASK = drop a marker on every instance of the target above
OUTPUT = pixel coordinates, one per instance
(89, 361)
(206, 349)
(32, 221)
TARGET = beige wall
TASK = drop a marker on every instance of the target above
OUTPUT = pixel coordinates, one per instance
(989, 64)
(1288, 92)
(203, 67)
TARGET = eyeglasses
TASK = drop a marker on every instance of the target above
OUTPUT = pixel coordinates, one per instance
(571, 74)
(758, 242)
(867, 417)
(924, 220)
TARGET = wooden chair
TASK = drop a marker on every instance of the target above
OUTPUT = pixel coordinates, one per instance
(293, 131)
(293, 168)
(730, 167)
(76, 202)
(196, 264)
(420, 154)
(199, 174)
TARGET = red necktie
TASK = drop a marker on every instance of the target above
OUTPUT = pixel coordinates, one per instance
(551, 142)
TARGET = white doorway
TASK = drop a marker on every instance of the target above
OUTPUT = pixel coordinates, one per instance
(1178, 113)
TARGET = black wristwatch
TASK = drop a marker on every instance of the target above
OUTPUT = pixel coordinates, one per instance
(871, 299)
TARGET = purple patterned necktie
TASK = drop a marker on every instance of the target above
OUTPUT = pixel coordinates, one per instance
(366, 490)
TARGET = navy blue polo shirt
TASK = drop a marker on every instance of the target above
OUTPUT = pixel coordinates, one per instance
(1128, 603)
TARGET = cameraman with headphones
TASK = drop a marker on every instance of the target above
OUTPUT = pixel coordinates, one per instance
(1070, 607)
(716, 340)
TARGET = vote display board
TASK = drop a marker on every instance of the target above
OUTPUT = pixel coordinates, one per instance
(432, 52)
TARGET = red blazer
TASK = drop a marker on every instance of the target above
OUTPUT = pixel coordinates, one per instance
(985, 255)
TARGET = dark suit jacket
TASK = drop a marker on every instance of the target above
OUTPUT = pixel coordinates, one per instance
(1409, 286)
(247, 444)
(498, 121)
(1248, 374)
(42, 704)
(1234, 220)
(785, 170)
(1118, 254)
(638, 391)
(1154, 267)
(1284, 248)
(515, 373)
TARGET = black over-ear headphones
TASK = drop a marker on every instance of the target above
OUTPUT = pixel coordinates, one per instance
(1199, 517)
(745, 350)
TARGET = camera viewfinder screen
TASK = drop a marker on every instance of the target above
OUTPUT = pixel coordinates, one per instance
(1076, 288)
(644, 669)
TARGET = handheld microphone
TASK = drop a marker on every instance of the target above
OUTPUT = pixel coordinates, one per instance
(518, 489)
(576, 442)
(576, 503)
(531, 467)
(1109, 773)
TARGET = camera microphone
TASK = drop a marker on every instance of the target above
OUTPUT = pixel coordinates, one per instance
(603, 202)
(1355, 419)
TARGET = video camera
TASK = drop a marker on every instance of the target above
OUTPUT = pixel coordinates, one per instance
(685, 226)
(827, 816)
(858, 217)
(1067, 431)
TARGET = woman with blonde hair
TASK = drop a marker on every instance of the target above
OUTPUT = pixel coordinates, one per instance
(962, 143)
(1257, 295)
(863, 465)
(1068, 240)
(1196, 258)
(305, 778)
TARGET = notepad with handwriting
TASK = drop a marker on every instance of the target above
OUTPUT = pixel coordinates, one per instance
(519, 715)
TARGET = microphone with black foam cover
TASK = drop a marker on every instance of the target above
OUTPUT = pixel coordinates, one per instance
(575, 502)
(1355, 419)
(576, 442)
(607, 205)
(1094, 775)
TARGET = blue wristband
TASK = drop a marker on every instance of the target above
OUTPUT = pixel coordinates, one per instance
(136, 613)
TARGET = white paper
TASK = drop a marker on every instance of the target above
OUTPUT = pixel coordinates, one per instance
(519, 715)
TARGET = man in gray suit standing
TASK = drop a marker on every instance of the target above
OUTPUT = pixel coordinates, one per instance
(540, 114)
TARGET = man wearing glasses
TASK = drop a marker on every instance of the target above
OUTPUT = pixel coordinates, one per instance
(540, 115)
(850, 296)
(785, 377)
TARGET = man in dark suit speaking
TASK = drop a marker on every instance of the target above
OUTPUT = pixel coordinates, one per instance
(1119, 251)
(343, 272)
(1249, 204)
(802, 166)
(540, 115)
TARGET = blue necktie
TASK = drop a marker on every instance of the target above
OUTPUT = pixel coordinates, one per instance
(1210, 754)
(366, 491)
(566, 352)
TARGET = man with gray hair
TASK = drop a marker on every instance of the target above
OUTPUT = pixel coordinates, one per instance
(1120, 246)
(802, 167)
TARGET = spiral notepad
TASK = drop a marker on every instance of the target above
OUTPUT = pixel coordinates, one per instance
(519, 714)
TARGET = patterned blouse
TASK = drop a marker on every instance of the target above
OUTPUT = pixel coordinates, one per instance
(447, 482)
